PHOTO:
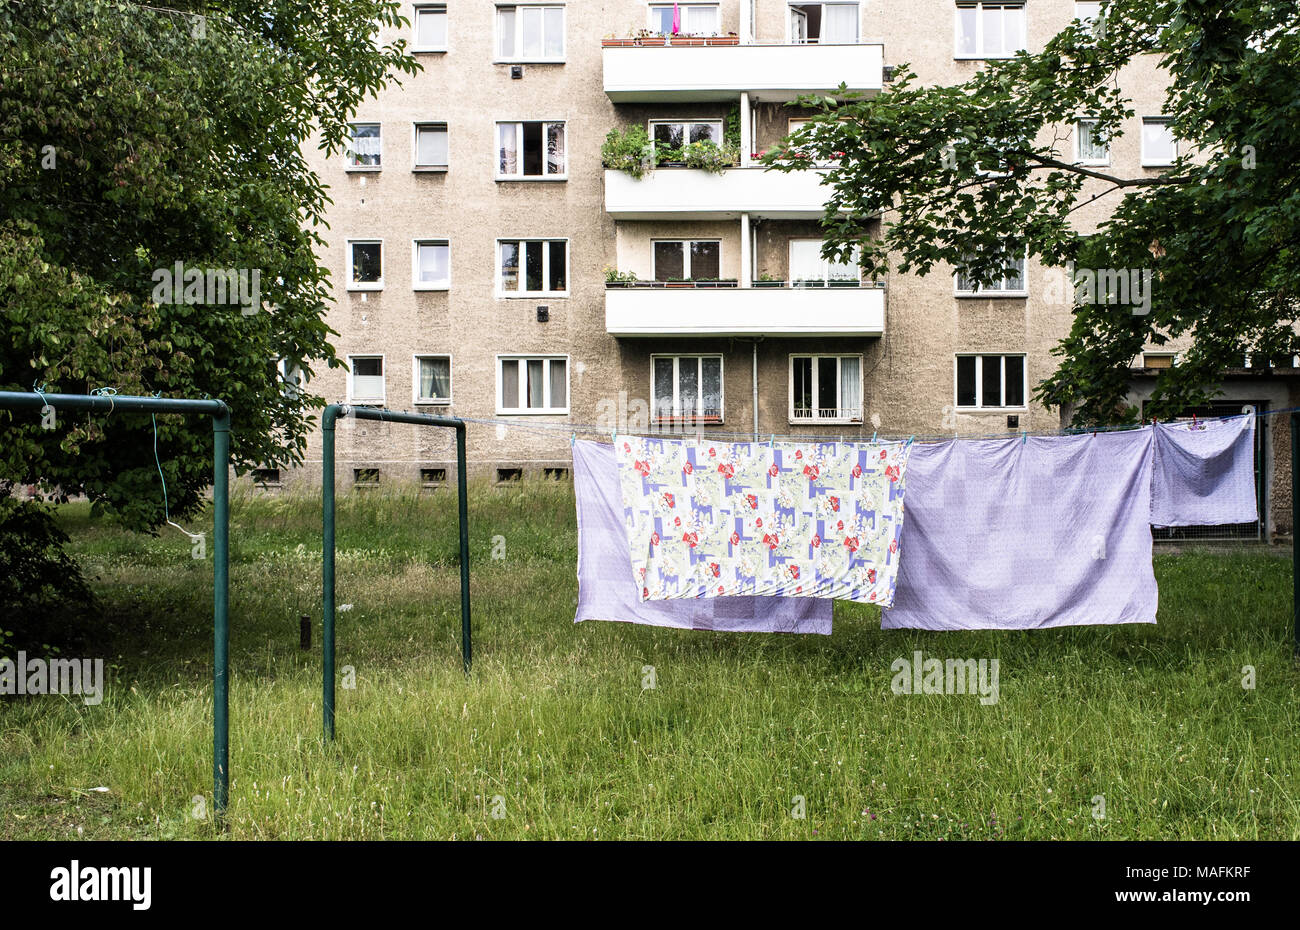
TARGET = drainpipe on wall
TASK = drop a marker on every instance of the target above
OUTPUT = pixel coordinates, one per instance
(746, 254)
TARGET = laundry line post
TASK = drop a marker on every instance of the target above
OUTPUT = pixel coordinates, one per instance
(220, 413)
(329, 421)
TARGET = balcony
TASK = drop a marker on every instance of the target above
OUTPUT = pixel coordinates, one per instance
(776, 73)
(693, 193)
(722, 309)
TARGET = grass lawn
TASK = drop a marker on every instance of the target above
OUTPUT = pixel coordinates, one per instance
(556, 725)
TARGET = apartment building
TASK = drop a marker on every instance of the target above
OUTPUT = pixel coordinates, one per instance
(488, 265)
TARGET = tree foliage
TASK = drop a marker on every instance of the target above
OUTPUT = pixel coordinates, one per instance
(963, 174)
(133, 137)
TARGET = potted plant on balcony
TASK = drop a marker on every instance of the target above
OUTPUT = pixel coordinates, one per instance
(628, 150)
(616, 278)
(678, 282)
(709, 156)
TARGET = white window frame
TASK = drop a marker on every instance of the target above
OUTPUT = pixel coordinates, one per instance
(519, 131)
(686, 255)
(979, 380)
(839, 361)
(789, 31)
(415, 145)
(348, 151)
(1078, 145)
(546, 267)
(1148, 162)
(518, 55)
(416, 283)
(720, 123)
(353, 285)
(415, 380)
(677, 380)
(416, 8)
(650, 18)
(979, 6)
(1000, 292)
(546, 410)
(383, 380)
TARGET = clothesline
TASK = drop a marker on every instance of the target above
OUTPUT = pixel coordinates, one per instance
(605, 431)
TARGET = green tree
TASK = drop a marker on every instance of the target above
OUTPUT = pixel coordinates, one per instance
(133, 137)
(963, 174)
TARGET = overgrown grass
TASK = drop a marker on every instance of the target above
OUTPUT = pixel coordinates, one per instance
(554, 720)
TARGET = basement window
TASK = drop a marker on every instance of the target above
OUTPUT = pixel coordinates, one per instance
(365, 477)
(266, 477)
(505, 475)
(433, 477)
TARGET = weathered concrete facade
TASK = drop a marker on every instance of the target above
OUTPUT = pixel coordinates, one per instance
(908, 364)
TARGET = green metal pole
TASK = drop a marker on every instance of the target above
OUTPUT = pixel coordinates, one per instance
(1295, 533)
(462, 503)
(327, 517)
(220, 612)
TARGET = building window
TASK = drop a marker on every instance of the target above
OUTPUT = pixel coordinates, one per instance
(1159, 147)
(1011, 283)
(530, 32)
(365, 264)
(989, 381)
(431, 266)
(826, 388)
(687, 259)
(823, 23)
(989, 30)
(430, 146)
(532, 384)
(1090, 146)
(695, 19)
(365, 477)
(809, 269)
(365, 148)
(366, 379)
(533, 267)
(555, 474)
(687, 388)
(507, 475)
(531, 150)
(292, 377)
(1088, 11)
(266, 477)
(1157, 360)
(673, 134)
(433, 379)
(433, 477)
(430, 28)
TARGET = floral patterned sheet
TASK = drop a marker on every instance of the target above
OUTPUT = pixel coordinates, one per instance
(718, 519)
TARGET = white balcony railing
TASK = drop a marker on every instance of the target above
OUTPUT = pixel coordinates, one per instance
(680, 193)
(744, 311)
(722, 72)
(826, 415)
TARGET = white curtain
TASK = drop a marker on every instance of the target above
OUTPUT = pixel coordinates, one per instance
(433, 263)
(840, 23)
(431, 29)
(555, 163)
(508, 145)
(435, 379)
(850, 386)
(431, 146)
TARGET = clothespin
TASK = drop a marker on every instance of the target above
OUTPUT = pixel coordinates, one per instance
(1193, 422)
(573, 440)
(1024, 437)
(771, 442)
(873, 435)
(613, 435)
